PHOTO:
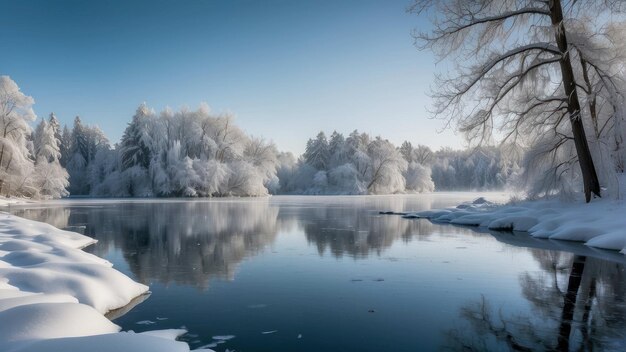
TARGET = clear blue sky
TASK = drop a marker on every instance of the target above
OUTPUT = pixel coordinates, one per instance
(286, 68)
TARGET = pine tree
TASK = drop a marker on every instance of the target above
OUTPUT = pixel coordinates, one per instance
(65, 145)
(135, 144)
(406, 149)
(316, 153)
(51, 179)
(337, 150)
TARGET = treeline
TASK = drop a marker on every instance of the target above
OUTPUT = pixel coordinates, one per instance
(197, 153)
(360, 164)
(171, 154)
(481, 168)
(29, 160)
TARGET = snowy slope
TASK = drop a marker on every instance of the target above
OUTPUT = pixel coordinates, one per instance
(53, 296)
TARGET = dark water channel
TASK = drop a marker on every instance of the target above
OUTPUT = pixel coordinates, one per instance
(331, 274)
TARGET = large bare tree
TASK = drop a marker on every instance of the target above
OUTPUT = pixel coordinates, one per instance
(514, 72)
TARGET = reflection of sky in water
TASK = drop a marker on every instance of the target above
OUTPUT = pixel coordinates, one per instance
(334, 273)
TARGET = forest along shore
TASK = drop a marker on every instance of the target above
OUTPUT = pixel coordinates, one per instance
(53, 295)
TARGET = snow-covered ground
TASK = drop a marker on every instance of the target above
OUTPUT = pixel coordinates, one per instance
(53, 295)
(599, 224)
(13, 201)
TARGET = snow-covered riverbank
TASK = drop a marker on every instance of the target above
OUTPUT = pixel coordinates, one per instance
(599, 224)
(53, 295)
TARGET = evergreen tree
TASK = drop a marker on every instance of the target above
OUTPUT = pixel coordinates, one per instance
(406, 149)
(316, 153)
(337, 149)
(65, 145)
(51, 179)
(135, 144)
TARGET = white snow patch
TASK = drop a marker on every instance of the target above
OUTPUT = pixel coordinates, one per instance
(53, 295)
(599, 224)
(145, 322)
(170, 334)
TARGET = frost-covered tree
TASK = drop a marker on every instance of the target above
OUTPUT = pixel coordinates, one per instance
(357, 165)
(482, 168)
(65, 145)
(387, 167)
(338, 150)
(406, 149)
(418, 178)
(263, 156)
(85, 141)
(524, 80)
(228, 138)
(422, 155)
(189, 153)
(135, 146)
(16, 164)
(316, 153)
(45, 142)
(50, 178)
(55, 125)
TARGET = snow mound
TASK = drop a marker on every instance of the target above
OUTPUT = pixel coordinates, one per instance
(53, 296)
(124, 341)
(599, 224)
(52, 320)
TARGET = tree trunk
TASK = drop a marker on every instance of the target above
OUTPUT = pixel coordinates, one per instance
(569, 302)
(588, 170)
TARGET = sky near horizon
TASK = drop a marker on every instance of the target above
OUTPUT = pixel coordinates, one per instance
(286, 69)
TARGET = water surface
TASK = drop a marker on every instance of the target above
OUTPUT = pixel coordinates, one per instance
(331, 274)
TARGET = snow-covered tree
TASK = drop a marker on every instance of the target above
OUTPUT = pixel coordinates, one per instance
(85, 141)
(263, 156)
(418, 178)
(338, 150)
(65, 145)
(357, 165)
(387, 168)
(406, 149)
(16, 164)
(422, 155)
(50, 178)
(524, 80)
(135, 146)
(317, 152)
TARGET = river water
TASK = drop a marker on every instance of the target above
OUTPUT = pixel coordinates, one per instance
(289, 273)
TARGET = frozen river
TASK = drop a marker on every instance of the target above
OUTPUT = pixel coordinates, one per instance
(290, 273)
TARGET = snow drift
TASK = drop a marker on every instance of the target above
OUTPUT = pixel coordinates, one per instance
(600, 224)
(53, 296)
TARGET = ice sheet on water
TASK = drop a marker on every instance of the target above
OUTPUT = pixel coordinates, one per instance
(145, 322)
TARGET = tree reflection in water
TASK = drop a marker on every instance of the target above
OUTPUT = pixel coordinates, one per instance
(190, 242)
(182, 242)
(578, 303)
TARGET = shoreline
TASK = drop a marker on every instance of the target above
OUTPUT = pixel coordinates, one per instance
(599, 224)
(54, 296)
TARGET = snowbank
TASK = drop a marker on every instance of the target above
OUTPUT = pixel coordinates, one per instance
(600, 224)
(53, 296)
(4, 201)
